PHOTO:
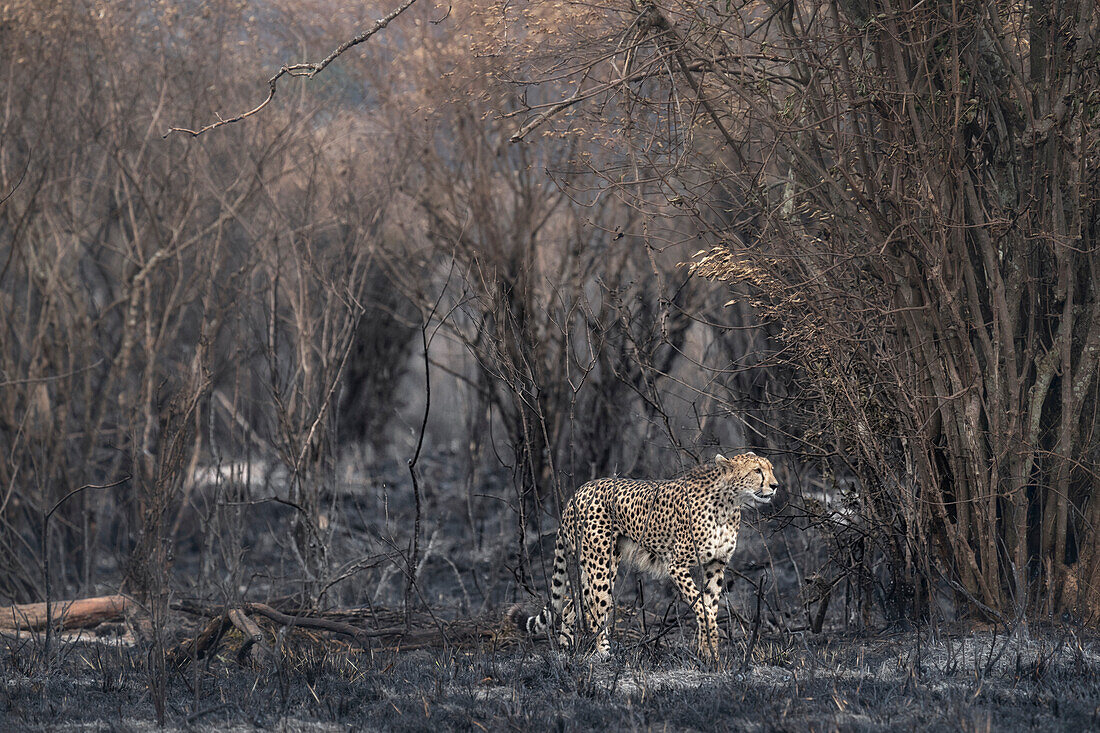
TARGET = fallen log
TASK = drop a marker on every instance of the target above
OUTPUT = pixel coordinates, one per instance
(309, 622)
(451, 632)
(202, 646)
(255, 646)
(81, 613)
(423, 632)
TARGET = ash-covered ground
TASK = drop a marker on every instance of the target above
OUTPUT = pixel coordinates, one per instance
(235, 544)
(979, 681)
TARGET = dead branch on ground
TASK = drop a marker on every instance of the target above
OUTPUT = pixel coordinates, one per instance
(75, 614)
(391, 632)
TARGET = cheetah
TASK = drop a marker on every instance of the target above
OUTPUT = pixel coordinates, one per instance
(661, 527)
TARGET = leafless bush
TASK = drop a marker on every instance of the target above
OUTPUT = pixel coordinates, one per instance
(212, 316)
(166, 304)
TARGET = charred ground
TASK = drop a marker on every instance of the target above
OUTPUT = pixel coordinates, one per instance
(786, 678)
(946, 681)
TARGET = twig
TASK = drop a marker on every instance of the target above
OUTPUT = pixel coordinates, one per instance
(46, 554)
(445, 16)
(23, 175)
(755, 636)
(412, 472)
(425, 342)
(74, 492)
(307, 70)
(52, 377)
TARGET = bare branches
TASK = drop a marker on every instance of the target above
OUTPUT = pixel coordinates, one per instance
(877, 187)
(306, 70)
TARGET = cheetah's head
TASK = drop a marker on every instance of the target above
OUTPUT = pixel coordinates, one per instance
(749, 476)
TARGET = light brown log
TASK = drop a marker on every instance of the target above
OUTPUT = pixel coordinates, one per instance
(246, 626)
(75, 614)
(254, 645)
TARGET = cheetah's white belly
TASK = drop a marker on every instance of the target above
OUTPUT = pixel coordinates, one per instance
(641, 558)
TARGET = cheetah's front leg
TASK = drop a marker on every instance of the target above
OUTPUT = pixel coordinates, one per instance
(706, 641)
(714, 572)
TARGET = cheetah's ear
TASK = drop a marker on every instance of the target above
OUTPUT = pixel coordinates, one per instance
(721, 459)
(750, 453)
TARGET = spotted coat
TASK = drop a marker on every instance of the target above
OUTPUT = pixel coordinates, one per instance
(663, 527)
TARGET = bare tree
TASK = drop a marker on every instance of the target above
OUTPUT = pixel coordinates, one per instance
(167, 304)
(910, 191)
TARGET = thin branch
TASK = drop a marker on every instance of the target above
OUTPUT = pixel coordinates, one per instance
(416, 457)
(307, 70)
(74, 492)
(51, 378)
(18, 183)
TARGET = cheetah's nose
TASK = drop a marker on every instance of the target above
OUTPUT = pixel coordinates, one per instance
(773, 485)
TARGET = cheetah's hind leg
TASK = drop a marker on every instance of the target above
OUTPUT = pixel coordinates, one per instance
(598, 587)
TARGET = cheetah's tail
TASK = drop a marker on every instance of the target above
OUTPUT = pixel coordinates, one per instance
(540, 622)
(559, 585)
(530, 624)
